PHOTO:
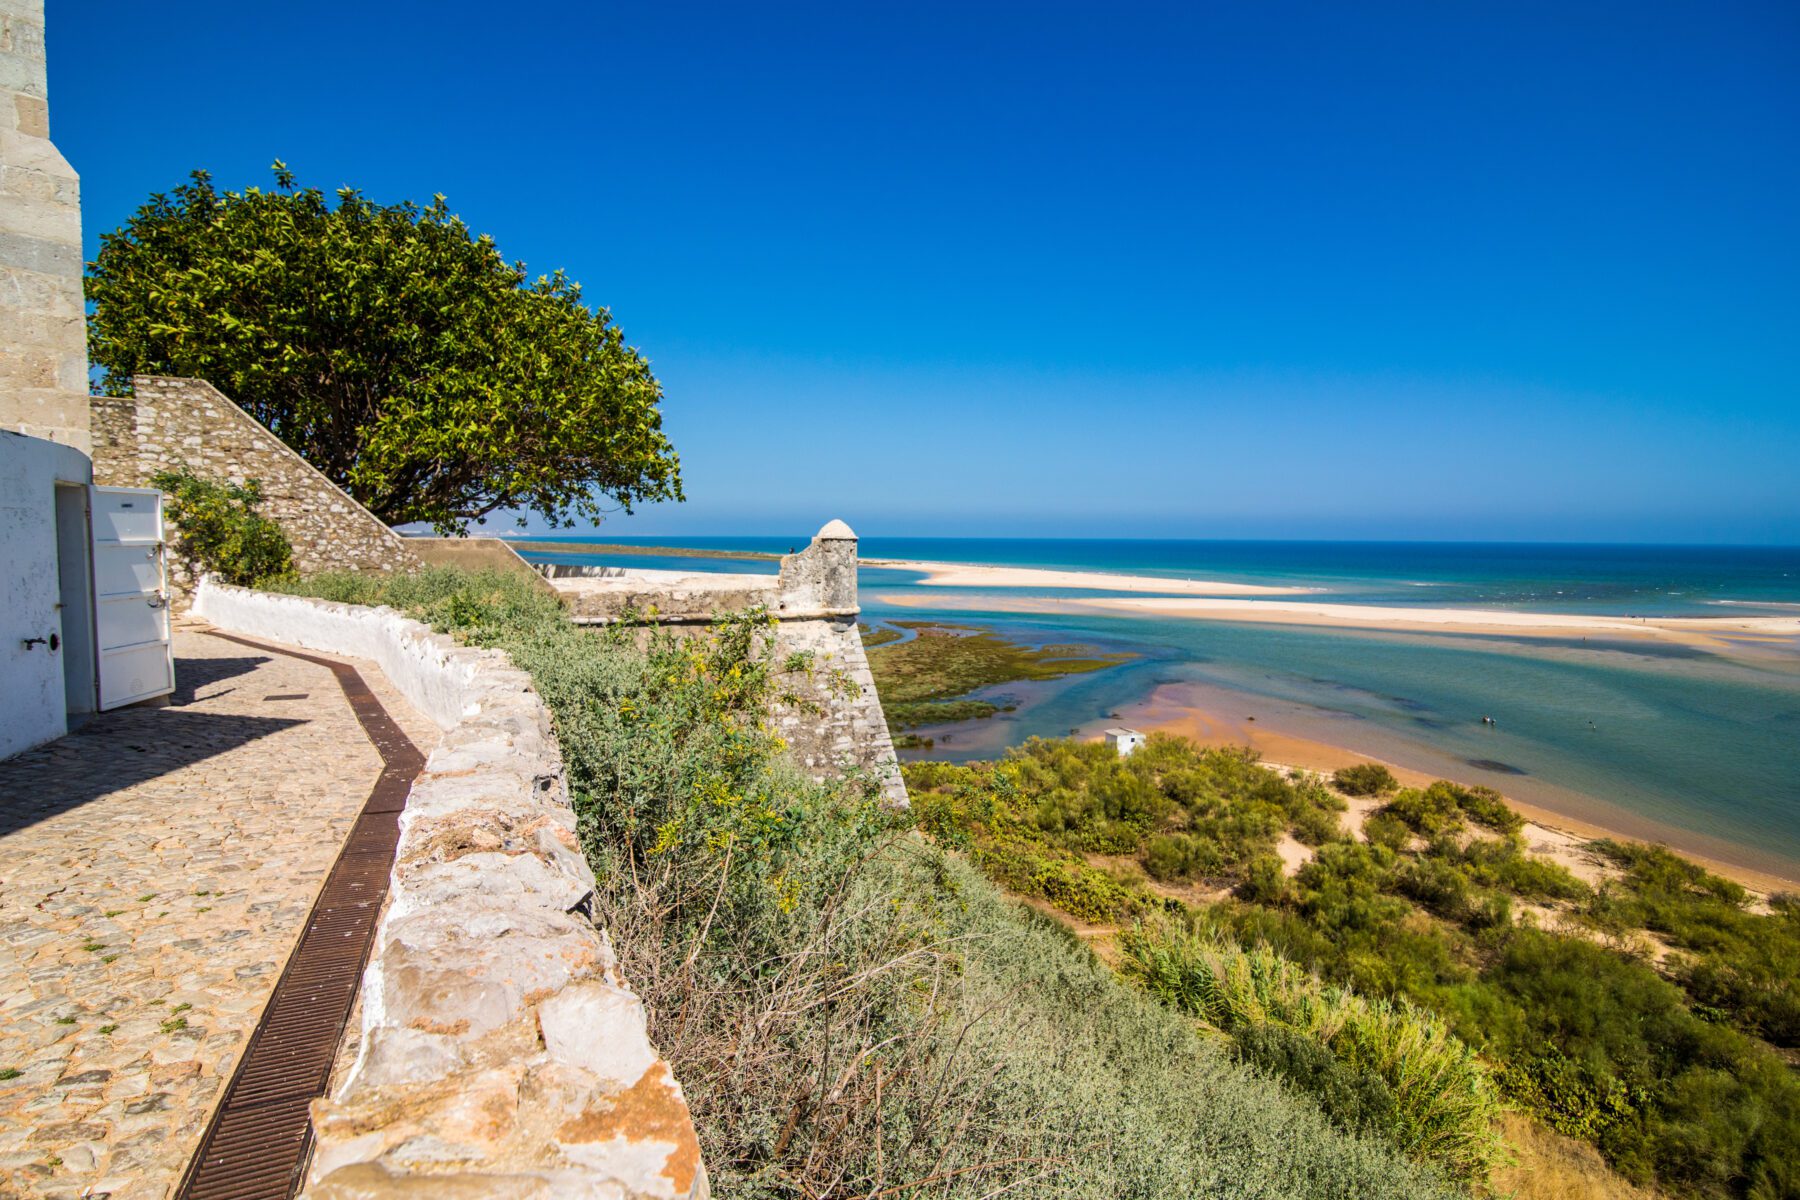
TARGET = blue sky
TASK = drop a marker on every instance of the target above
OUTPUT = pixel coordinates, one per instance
(1508, 270)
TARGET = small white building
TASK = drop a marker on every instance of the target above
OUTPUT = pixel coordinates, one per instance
(1125, 741)
(84, 621)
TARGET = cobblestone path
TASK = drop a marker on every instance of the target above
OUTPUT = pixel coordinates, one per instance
(156, 868)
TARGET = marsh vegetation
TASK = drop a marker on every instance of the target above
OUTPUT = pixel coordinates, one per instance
(926, 679)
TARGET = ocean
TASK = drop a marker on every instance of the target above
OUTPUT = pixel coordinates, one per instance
(1696, 746)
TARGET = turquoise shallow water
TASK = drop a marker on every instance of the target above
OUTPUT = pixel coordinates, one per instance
(1700, 747)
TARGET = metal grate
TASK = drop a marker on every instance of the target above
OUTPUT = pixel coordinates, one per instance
(258, 1141)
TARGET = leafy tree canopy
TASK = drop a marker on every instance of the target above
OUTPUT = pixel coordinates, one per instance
(393, 350)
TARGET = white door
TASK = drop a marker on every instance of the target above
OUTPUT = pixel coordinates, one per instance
(131, 607)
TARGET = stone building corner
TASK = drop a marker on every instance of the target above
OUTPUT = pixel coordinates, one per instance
(43, 313)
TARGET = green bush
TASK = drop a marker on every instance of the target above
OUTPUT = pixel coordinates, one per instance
(1485, 806)
(1354, 1100)
(1364, 779)
(1444, 1105)
(1429, 811)
(1176, 857)
(219, 531)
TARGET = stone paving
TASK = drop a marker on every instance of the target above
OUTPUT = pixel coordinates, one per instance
(156, 867)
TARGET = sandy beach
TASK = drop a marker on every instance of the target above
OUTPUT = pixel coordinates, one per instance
(1690, 630)
(940, 574)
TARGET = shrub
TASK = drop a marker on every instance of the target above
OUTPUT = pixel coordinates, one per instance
(1182, 856)
(218, 530)
(1355, 1101)
(1314, 826)
(1444, 1104)
(1265, 882)
(1485, 806)
(1364, 779)
(1431, 811)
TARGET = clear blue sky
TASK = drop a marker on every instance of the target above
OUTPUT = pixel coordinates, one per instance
(1259, 270)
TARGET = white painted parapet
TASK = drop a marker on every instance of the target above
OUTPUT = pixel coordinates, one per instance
(502, 1053)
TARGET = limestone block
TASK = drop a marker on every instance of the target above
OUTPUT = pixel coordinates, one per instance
(395, 1054)
(496, 879)
(468, 968)
(599, 1028)
(372, 1181)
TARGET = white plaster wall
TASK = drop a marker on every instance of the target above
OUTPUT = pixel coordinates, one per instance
(429, 669)
(31, 680)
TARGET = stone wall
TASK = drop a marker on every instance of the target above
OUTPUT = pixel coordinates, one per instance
(175, 422)
(502, 1054)
(43, 318)
(837, 726)
(474, 554)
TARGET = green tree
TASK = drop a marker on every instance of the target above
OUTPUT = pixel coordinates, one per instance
(393, 350)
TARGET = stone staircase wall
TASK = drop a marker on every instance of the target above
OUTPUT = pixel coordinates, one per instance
(171, 423)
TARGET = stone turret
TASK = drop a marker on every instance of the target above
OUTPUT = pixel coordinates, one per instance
(820, 581)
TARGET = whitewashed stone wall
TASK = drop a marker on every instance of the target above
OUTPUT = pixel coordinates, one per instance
(502, 1053)
(837, 723)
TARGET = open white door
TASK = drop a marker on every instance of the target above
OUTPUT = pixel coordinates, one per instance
(131, 608)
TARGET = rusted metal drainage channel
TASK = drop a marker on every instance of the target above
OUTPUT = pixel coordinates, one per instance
(258, 1142)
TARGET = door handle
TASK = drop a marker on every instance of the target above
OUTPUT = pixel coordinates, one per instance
(157, 601)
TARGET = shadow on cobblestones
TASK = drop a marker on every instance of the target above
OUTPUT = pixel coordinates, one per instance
(119, 750)
(194, 675)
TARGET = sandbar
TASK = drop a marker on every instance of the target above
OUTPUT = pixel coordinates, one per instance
(1716, 632)
(941, 574)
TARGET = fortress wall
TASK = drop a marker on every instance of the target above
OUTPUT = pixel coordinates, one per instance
(502, 1053)
(836, 724)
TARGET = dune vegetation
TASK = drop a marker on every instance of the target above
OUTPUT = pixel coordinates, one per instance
(1647, 1014)
(852, 1009)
